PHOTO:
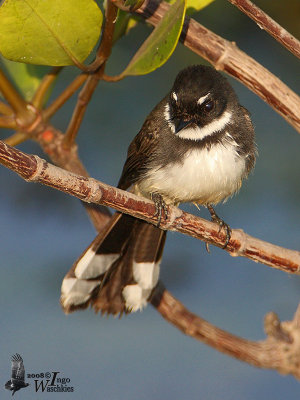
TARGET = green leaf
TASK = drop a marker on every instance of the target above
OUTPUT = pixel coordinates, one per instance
(161, 43)
(25, 77)
(49, 32)
(196, 5)
(125, 22)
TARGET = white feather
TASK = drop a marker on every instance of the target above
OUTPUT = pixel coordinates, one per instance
(76, 291)
(200, 133)
(146, 274)
(206, 175)
(91, 265)
(135, 297)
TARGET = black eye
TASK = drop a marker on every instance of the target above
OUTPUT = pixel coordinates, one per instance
(209, 105)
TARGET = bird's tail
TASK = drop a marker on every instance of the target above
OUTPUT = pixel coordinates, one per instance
(118, 271)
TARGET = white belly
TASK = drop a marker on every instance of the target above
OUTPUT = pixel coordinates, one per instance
(204, 176)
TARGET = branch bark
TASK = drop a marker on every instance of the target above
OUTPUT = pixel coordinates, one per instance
(34, 169)
(279, 351)
(264, 21)
(226, 56)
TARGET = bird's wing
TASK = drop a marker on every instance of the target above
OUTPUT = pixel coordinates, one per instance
(141, 148)
(17, 368)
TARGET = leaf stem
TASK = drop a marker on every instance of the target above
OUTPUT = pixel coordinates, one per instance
(116, 78)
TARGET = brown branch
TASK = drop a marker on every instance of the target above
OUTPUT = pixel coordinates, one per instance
(34, 169)
(5, 109)
(84, 97)
(65, 95)
(15, 100)
(42, 91)
(93, 79)
(280, 351)
(264, 21)
(51, 141)
(16, 138)
(8, 122)
(26, 116)
(106, 43)
(226, 56)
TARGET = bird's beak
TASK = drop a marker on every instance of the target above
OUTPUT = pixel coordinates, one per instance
(180, 124)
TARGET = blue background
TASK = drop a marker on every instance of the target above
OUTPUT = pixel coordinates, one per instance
(141, 356)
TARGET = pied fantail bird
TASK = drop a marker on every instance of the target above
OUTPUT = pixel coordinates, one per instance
(197, 145)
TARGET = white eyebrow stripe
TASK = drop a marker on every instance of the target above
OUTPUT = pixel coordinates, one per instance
(202, 99)
(174, 95)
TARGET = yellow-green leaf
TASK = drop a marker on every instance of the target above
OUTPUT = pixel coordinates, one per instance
(49, 32)
(125, 21)
(196, 5)
(161, 43)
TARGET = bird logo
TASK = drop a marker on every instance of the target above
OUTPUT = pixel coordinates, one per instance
(17, 380)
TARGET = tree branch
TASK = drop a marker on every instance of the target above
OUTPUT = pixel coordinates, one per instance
(51, 141)
(93, 79)
(42, 91)
(264, 21)
(15, 100)
(226, 56)
(280, 351)
(5, 109)
(65, 95)
(16, 138)
(34, 169)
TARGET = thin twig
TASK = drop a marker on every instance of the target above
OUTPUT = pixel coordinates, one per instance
(93, 79)
(226, 56)
(5, 109)
(264, 21)
(16, 138)
(42, 91)
(65, 95)
(34, 169)
(84, 98)
(15, 100)
(106, 43)
(8, 122)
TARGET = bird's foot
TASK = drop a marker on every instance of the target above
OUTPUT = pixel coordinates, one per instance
(221, 223)
(160, 207)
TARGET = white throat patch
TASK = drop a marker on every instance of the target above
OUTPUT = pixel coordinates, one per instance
(199, 133)
(207, 130)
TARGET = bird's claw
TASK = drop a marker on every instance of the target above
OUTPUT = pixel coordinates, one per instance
(221, 223)
(160, 206)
